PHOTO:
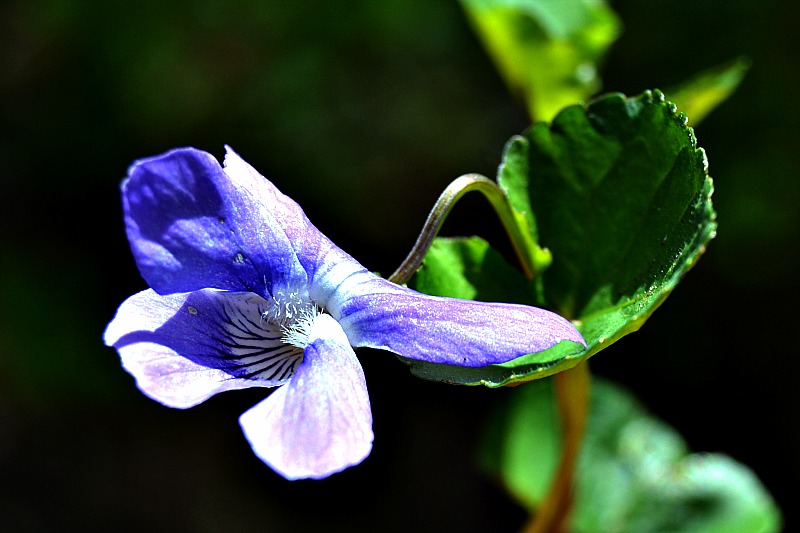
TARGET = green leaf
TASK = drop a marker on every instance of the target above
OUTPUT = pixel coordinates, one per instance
(621, 196)
(634, 472)
(699, 96)
(513, 169)
(619, 192)
(547, 50)
(469, 268)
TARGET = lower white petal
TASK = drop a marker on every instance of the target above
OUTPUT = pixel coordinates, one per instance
(320, 422)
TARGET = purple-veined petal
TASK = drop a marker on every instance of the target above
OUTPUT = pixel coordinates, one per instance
(378, 314)
(183, 348)
(320, 422)
(193, 225)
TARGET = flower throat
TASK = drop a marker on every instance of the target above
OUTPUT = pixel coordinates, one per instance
(294, 313)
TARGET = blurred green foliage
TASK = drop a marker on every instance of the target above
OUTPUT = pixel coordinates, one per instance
(548, 51)
(698, 96)
(635, 472)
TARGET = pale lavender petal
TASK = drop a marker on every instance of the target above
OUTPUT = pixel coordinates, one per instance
(183, 348)
(193, 225)
(320, 422)
(378, 314)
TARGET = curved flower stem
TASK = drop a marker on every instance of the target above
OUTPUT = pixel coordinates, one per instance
(444, 204)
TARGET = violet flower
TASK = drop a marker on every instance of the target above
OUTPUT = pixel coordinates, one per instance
(246, 292)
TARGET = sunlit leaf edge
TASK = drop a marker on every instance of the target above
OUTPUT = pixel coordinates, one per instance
(560, 357)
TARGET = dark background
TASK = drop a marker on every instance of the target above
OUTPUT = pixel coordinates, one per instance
(363, 112)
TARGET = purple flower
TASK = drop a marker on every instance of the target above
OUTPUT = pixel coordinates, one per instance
(246, 292)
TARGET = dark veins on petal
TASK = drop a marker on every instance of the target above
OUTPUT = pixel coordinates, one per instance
(226, 333)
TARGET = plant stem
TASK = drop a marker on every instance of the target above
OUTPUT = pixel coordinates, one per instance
(444, 204)
(572, 393)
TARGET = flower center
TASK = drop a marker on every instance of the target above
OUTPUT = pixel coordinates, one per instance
(294, 313)
(298, 331)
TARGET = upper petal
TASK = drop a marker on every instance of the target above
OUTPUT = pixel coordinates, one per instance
(192, 224)
(380, 314)
(184, 348)
(330, 269)
(320, 422)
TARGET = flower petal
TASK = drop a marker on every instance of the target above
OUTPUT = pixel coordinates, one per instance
(193, 225)
(327, 265)
(380, 314)
(184, 348)
(320, 422)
